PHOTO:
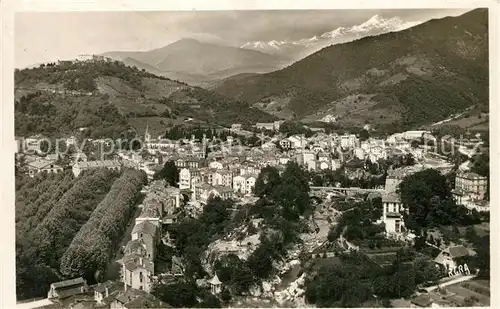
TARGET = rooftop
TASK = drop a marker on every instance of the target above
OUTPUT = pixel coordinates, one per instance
(391, 198)
(68, 283)
(134, 245)
(40, 163)
(215, 280)
(145, 227)
(111, 285)
(97, 164)
(222, 189)
(471, 175)
(457, 251)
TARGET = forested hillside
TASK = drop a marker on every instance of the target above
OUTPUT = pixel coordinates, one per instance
(412, 77)
(49, 213)
(107, 96)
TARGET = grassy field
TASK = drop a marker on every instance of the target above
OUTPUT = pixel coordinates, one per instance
(463, 291)
(157, 125)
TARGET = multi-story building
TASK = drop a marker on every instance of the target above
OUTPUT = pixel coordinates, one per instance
(148, 233)
(190, 162)
(79, 167)
(272, 126)
(137, 272)
(392, 213)
(244, 184)
(43, 166)
(250, 183)
(204, 192)
(348, 141)
(239, 184)
(414, 135)
(471, 184)
(185, 175)
(216, 165)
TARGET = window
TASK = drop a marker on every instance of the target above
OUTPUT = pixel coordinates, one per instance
(140, 277)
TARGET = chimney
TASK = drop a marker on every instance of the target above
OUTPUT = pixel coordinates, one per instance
(107, 292)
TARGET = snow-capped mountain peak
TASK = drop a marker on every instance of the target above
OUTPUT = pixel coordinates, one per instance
(375, 25)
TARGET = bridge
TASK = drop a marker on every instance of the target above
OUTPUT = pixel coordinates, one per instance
(351, 190)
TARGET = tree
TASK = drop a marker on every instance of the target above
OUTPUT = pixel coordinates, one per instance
(209, 301)
(426, 194)
(178, 295)
(234, 273)
(438, 242)
(169, 172)
(267, 181)
(364, 135)
(225, 295)
(260, 261)
(292, 194)
(431, 240)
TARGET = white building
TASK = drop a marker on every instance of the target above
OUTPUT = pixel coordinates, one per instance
(392, 213)
(348, 141)
(79, 167)
(239, 184)
(359, 153)
(244, 184)
(216, 164)
(413, 135)
(306, 158)
(43, 166)
(184, 179)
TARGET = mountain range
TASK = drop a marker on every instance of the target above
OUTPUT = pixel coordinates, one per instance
(408, 78)
(201, 63)
(196, 62)
(297, 49)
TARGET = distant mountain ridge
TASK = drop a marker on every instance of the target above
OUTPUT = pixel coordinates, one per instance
(195, 62)
(411, 77)
(301, 48)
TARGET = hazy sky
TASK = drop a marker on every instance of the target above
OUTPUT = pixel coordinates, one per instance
(49, 36)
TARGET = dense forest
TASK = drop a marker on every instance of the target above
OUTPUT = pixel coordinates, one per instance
(53, 114)
(93, 246)
(49, 213)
